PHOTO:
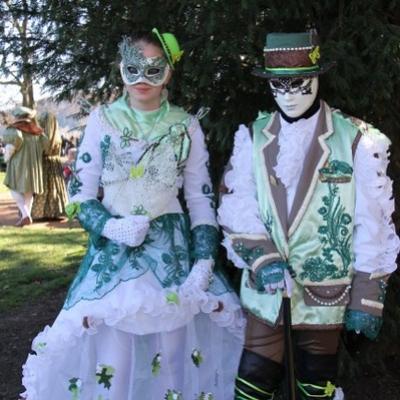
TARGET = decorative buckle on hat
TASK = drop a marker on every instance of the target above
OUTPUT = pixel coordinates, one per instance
(314, 55)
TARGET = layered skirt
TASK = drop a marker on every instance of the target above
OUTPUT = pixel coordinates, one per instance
(127, 332)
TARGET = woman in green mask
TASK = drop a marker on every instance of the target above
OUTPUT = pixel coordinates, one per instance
(147, 316)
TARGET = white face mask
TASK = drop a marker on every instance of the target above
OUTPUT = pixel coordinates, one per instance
(294, 96)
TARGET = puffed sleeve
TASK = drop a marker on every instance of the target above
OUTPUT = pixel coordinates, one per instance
(199, 197)
(14, 137)
(246, 239)
(375, 242)
(84, 184)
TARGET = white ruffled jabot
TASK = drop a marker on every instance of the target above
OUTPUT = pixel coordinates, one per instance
(294, 140)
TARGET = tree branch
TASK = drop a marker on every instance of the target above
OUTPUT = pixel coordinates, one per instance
(10, 83)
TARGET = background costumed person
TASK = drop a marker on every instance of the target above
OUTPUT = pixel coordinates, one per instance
(146, 316)
(307, 208)
(51, 203)
(25, 143)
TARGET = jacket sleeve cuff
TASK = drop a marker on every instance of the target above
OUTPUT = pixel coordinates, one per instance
(254, 250)
(368, 293)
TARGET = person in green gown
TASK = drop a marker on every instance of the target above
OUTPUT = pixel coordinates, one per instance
(25, 142)
(51, 203)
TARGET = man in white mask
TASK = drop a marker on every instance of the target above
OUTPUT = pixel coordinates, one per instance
(306, 210)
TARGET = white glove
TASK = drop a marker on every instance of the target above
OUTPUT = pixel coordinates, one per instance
(130, 230)
(199, 277)
(9, 150)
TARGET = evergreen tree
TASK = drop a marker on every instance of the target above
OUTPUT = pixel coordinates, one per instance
(22, 36)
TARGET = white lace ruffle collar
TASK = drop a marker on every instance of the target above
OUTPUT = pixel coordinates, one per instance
(294, 140)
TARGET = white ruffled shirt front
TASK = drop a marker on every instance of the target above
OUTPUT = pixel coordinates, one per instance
(294, 140)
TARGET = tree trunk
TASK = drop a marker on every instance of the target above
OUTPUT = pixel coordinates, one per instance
(27, 92)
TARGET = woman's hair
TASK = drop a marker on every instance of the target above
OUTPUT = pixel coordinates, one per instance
(137, 36)
(145, 36)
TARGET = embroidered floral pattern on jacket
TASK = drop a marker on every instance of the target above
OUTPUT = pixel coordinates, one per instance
(335, 237)
(248, 255)
(336, 171)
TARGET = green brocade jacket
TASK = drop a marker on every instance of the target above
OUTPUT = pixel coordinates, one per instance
(316, 237)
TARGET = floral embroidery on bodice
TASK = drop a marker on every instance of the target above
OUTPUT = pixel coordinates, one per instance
(141, 177)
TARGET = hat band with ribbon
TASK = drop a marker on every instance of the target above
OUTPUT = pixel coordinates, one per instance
(292, 60)
(292, 55)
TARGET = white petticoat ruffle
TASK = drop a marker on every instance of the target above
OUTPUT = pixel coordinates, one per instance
(133, 307)
(239, 209)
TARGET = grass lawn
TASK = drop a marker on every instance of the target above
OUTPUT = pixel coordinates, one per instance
(3, 188)
(35, 262)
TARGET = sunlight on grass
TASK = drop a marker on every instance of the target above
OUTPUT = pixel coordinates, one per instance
(3, 189)
(34, 262)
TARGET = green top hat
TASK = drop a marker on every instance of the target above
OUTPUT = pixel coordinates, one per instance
(292, 55)
(170, 45)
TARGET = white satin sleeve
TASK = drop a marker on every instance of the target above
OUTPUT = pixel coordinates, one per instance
(197, 185)
(375, 242)
(85, 182)
(238, 212)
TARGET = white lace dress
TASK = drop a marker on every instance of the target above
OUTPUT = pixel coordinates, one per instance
(142, 339)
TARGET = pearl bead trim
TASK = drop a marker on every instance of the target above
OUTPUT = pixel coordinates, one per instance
(288, 49)
(328, 303)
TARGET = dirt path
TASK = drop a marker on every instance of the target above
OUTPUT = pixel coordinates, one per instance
(9, 215)
(18, 328)
(17, 331)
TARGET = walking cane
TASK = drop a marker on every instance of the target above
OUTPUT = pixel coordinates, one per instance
(289, 356)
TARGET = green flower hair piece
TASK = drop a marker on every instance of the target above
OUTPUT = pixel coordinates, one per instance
(170, 46)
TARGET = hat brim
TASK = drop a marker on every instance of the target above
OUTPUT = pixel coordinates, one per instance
(263, 73)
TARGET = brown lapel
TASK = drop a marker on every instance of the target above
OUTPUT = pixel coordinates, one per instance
(278, 190)
(316, 157)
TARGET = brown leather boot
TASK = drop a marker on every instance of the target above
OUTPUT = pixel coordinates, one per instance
(24, 221)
